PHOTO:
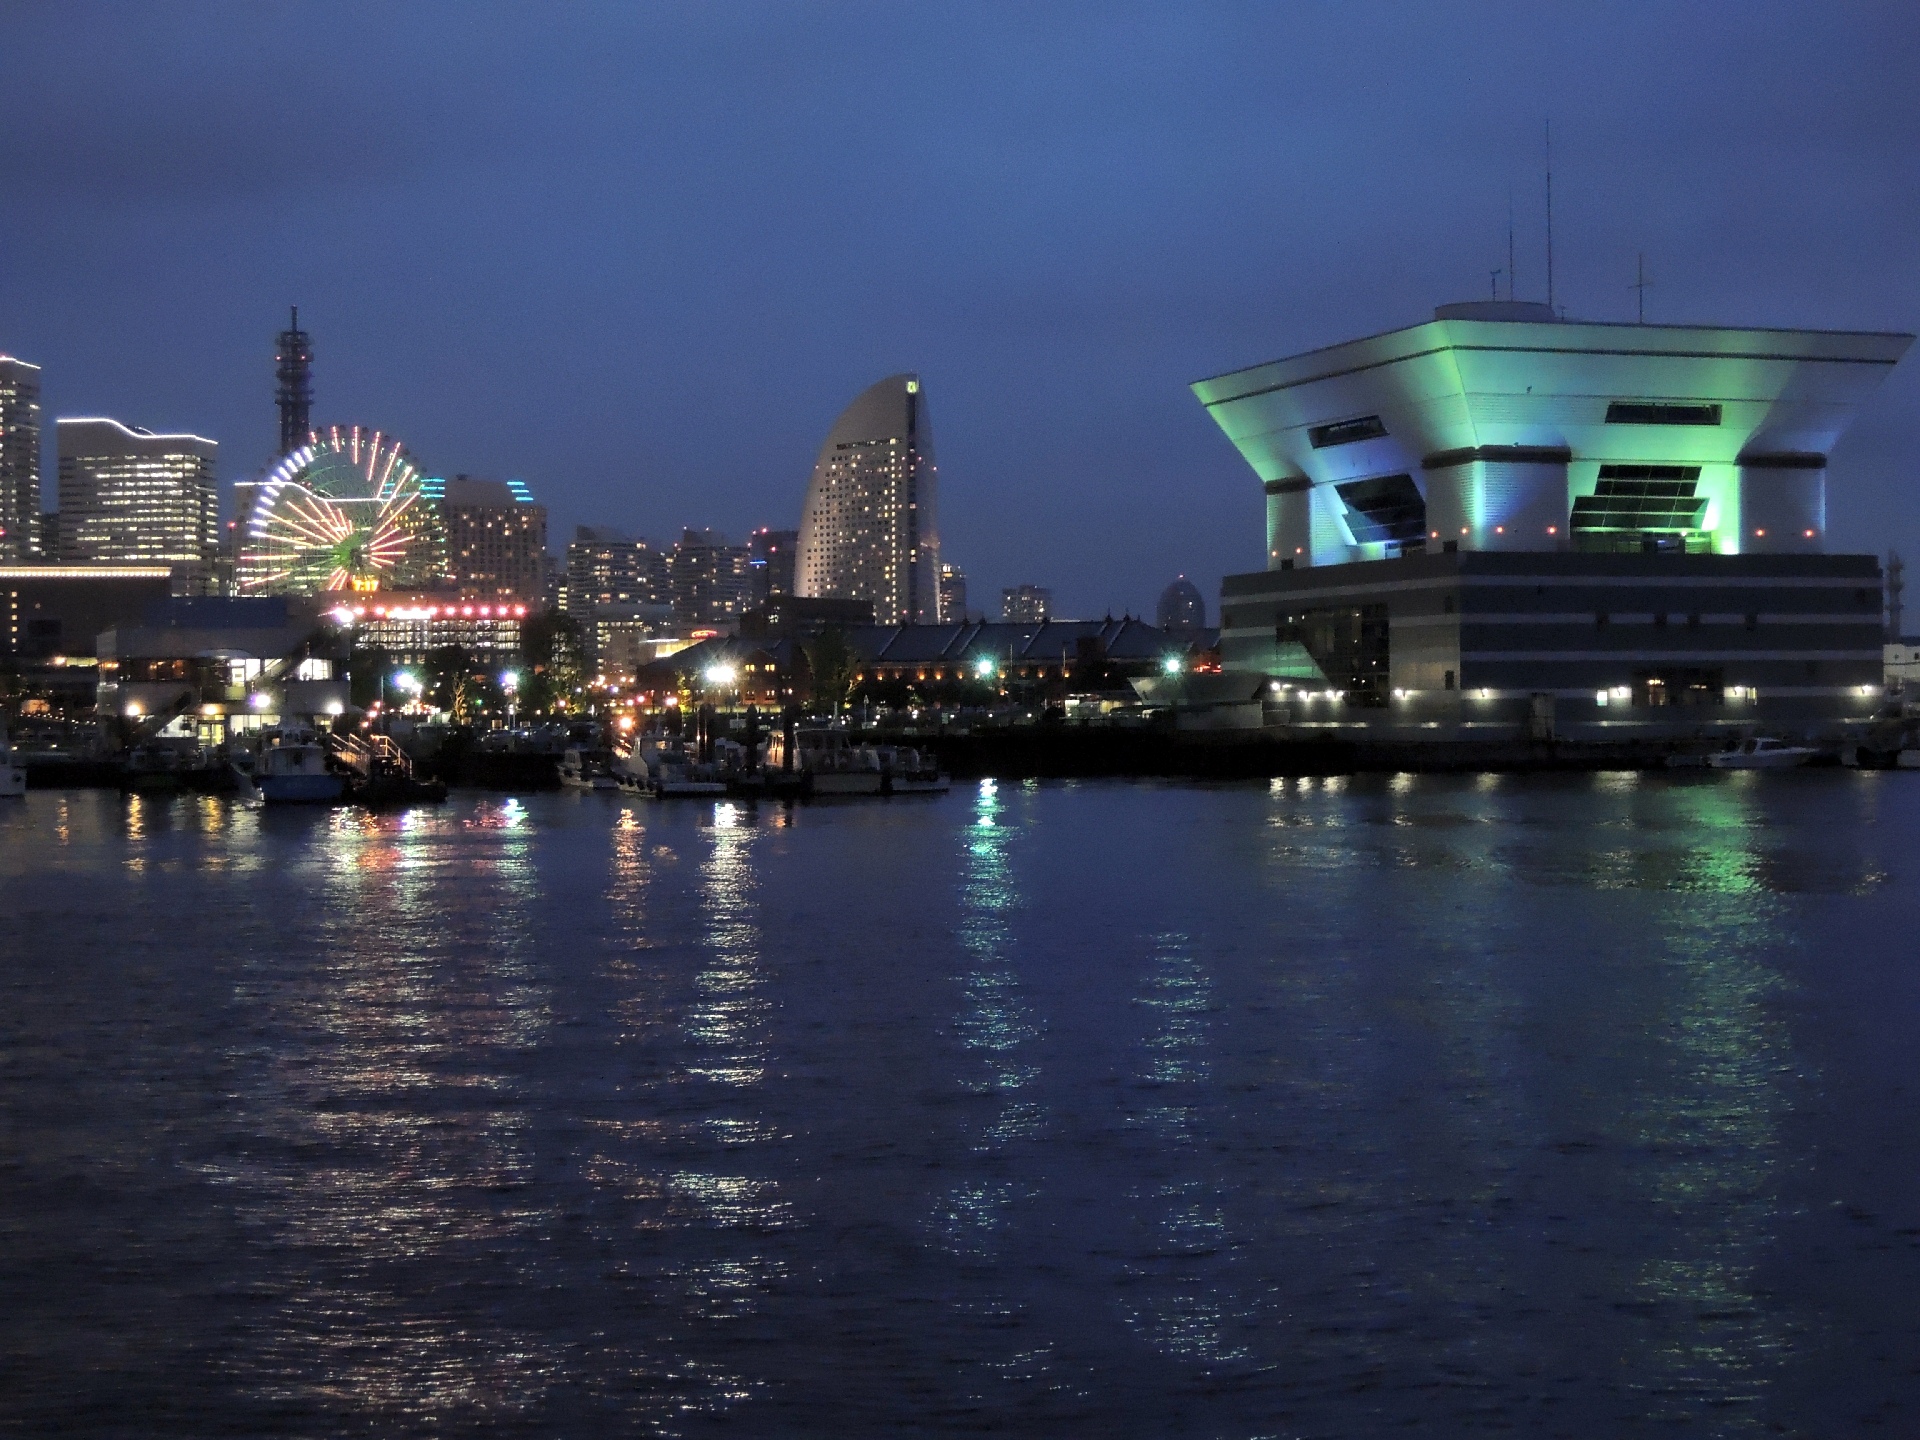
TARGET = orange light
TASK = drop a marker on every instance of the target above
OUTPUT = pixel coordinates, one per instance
(1553, 529)
(1809, 534)
(1759, 532)
(1499, 529)
(1463, 529)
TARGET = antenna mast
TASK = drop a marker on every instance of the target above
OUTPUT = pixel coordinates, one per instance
(294, 370)
(1640, 284)
(1510, 272)
(1550, 215)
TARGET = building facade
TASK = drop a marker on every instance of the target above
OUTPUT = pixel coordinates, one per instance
(1026, 604)
(953, 594)
(710, 580)
(496, 538)
(131, 496)
(606, 567)
(1501, 516)
(869, 529)
(770, 555)
(20, 538)
(410, 627)
(1182, 606)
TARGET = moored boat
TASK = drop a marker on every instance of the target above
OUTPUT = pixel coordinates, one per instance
(1762, 752)
(585, 769)
(298, 774)
(13, 775)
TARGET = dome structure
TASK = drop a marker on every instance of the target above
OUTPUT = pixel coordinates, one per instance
(1182, 606)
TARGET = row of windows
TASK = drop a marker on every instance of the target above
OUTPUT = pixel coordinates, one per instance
(1619, 412)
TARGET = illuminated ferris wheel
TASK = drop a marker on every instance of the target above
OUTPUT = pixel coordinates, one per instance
(345, 511)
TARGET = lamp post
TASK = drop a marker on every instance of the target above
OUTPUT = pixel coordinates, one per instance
(510, 683)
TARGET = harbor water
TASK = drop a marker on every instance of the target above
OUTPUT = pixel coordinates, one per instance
(1560, 1105)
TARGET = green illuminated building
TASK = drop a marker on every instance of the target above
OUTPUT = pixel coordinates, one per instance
(1501, 516)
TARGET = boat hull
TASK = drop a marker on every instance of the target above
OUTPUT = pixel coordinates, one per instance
(300, 789)
(1759, 762)
(689, 789)
(846, 782)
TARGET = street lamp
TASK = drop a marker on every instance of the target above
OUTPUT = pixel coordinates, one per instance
(510, 682)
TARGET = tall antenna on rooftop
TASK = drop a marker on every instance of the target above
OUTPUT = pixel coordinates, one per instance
(293, 368)
(1510, 242)
(1550, 215)
(1640, 286)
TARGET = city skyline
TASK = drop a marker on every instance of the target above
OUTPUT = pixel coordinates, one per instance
(1161, 216)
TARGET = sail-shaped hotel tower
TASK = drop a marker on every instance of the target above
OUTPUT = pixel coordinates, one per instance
(870, 528)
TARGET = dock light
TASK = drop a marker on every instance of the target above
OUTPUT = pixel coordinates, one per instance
(334, 707)
(1172, 665)
(1399, 694)
(1277, 687)
(133, 707)
(984, 669)
(720, 674)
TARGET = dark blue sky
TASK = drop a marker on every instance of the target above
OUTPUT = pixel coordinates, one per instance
(643, 256)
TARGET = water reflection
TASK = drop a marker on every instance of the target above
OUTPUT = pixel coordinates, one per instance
(1409, 1103)
(1706, 1111)
(390, 1116)
(1179, 1302)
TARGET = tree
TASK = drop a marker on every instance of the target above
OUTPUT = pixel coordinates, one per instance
(831, 662)
(553, 648)
(367, 671)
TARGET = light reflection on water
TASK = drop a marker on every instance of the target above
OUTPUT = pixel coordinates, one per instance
(1573, 1105)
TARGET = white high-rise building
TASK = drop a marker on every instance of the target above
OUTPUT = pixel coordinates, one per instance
(19, 459)
(870, 527)
(128, 494)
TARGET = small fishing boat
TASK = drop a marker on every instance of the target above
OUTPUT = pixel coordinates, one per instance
(1762, 752)
(584, 769)
(13, 775)
(908, 772)
(298, 774)
(834, 766)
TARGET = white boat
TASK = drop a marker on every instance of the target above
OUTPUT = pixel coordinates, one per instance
(297, 774)
(1762, 752)
(834, 766)
(13, 775)
(676, 777)
(582, 769)
(908, 772)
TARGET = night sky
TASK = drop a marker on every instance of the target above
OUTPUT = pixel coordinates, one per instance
(642, 256)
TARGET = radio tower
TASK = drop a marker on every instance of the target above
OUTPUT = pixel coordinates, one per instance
(294, 370)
